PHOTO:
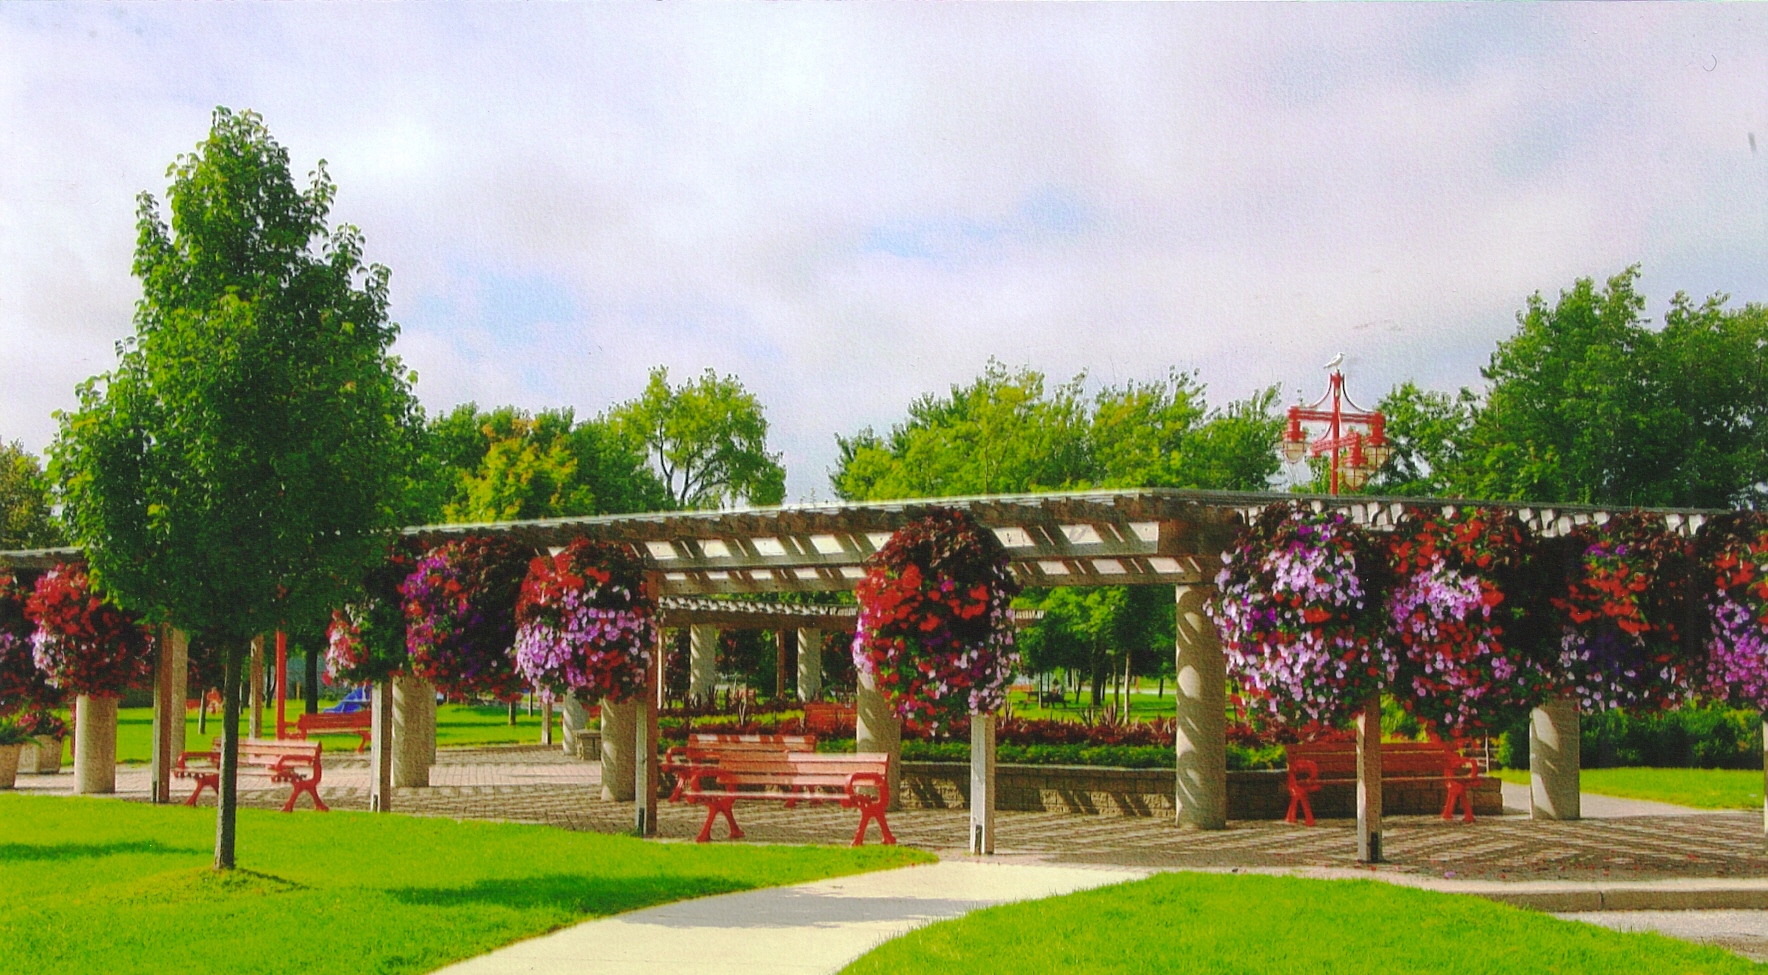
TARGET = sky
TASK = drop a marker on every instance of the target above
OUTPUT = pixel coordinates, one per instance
(848, 206)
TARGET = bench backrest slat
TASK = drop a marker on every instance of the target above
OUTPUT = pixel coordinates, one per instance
(806, 742)
(259, 751)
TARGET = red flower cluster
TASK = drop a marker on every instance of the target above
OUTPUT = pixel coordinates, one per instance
(584, 625)
(935, 631)
(83, 643)
(22, 685)
(460, 616)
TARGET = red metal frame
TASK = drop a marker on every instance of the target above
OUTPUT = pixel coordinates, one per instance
(1337, 439)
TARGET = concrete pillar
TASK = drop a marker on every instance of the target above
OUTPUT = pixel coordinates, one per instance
(619, 745)
(380, 748)
(573, 721)
(703, 662)
(810, 664)
(1555, 746)
(95, 745)
(1369, 781)
(255, 714)
(1201, 696)
(982, 784)
(414, 732)
(879, 730)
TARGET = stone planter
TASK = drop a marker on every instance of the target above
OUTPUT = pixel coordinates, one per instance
(43, 758)
(9, 765)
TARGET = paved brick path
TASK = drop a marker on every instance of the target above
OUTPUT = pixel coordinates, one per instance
(539, 785)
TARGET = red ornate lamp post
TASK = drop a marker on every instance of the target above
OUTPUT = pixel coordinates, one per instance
(1355, 453)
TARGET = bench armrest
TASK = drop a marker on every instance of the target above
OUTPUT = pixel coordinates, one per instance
(1455, 764)
(873, 779)
(213, 758)
(1308, 768)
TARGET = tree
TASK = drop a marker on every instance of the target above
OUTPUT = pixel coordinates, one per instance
(242, 466)
(26, 517)
(1427, 431)
(706, 439)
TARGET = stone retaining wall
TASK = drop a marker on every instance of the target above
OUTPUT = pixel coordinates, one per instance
(1149, 792)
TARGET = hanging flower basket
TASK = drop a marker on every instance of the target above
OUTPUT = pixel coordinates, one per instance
(935, 630)
(1463, 624)
(22, 685)
(1622, 613)
(460, 616)
(1299, 611)
(83, 644)
(365, 642)
(583, 624)
(1733, 578)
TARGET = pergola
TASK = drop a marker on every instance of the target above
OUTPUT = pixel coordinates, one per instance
(1168, 537)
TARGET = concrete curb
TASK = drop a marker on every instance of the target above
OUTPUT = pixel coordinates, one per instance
(1564, 897)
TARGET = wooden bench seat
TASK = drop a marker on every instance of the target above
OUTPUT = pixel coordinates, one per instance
(859, 781)
(360, 723)
(292, 763)
(704, 748)
(1314, 764)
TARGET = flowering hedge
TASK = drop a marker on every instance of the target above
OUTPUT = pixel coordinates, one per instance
(1733, 552)
(460, 616)
(42, 723)
(935, 632)
(583, 624)
(1464, 620)
(1299, 611)
(365, 642)
(84, 644)
(22, 685)
(1622, 613)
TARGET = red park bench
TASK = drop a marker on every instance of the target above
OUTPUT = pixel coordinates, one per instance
(356, 723)
(859, 781)
(1314, 764)
(292, 763)
(705, 748)
(825, 718)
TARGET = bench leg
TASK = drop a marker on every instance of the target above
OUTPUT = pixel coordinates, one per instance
(212, 782)
(1307, 808)
(868, 813)
(1458, 790)
(713, 809)
(309, 787)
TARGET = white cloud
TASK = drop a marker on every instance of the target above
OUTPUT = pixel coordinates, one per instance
(848, 206)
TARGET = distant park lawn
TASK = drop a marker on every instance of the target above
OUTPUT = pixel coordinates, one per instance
(1701, 788)
(456, 725)
(101, 885)
(1258, 925)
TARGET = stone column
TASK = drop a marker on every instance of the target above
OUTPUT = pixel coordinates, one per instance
(573, 720)
(255, 716)
(878, 729)
(703, 662)
(414, 732)
(1555, 746)
(619, 743)
(810, 664)
(1201, 696)
(1369, 781)
(982, 784)
(380, 753)
(95, 745)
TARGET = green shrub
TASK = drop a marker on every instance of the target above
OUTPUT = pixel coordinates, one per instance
(1705, 736)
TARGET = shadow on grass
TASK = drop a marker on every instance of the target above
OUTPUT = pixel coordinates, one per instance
(24, 852)
(581, 895)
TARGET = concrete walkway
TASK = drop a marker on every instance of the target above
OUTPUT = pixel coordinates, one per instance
(808, 928)
(1593, 806)
(1742, 932)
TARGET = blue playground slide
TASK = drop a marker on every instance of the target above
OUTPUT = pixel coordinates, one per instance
(353, 702)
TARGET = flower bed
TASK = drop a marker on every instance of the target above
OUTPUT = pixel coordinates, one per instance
(1621, 613)
(1734, 580)
(460, 616)
(82, 643)
(1299, 611)
(584, 625)
(1463, 620)
(935, 632)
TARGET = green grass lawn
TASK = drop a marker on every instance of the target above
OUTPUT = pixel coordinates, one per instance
(1702, 788)
(101, 885)
(1143, 704)
(1257, 925)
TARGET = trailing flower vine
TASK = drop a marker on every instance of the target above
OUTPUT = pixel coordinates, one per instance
(1622, 613)
(1299, 611)
(460, 616)
(83, 644)
(1733, 550)
(22, 685)
(935, 630)
(584, 625)
(1463, 620)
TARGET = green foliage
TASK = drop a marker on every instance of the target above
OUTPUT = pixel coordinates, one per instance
(508, 464)
(1092, 629)
(1240, 757)
(706, 440)
(1708, 736)
(1426, 431)
(119, 887)
(1256, 925)
(26, 518)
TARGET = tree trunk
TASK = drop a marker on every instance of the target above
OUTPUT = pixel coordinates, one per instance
(226, 800)
(1101, 674)
(312, 688)
(512, 713)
